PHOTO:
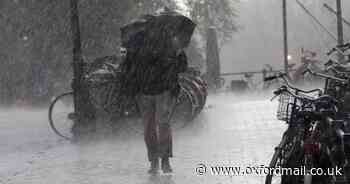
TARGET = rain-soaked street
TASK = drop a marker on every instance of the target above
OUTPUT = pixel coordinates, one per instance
(116, 64)
(229, 132)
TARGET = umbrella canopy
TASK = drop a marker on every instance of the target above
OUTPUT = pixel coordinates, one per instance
(164, 30)
(133, 30)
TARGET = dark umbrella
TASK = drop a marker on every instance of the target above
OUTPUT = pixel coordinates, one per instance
(131, 31)
(155, 31)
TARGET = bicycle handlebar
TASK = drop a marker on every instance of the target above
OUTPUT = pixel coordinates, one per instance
(266, 79)
(320, 101)
(332, 65)
(283, 76)
(326, 76)
(284, 89)
(340, 48)
(345, 46)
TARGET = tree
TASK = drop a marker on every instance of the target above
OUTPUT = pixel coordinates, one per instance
(36, 47)
(217, 13)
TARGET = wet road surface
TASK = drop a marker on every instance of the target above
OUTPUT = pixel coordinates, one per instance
(231, 131)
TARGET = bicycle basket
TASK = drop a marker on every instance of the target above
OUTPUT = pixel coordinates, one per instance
(285, 107)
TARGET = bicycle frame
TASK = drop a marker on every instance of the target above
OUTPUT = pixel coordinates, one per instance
(311, 126)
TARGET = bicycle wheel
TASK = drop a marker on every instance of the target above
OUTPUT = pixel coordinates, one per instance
(308, 165)
(183, 113)
(61, 115)
(276, 162)
(283, 152)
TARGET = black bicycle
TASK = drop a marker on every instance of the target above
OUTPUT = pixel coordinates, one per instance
(313, 138)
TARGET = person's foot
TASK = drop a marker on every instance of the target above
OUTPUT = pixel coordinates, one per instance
(154, 166)
(166, 165)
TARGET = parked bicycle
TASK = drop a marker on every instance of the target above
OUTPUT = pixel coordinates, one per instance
(111, 107)
(313, 138)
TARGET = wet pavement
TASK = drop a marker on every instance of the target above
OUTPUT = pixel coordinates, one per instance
(231, 131)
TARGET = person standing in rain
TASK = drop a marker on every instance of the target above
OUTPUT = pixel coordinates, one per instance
(154, 58)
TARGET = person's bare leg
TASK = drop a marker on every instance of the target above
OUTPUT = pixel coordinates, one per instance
(165, 145)
(164, 107)
(147, 108)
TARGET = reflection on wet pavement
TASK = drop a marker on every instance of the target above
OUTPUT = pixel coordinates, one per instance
(229, 132)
